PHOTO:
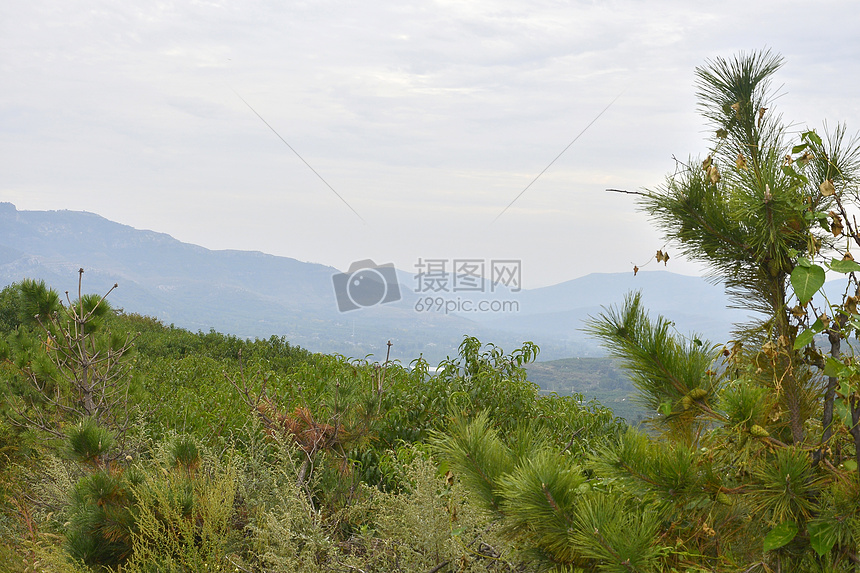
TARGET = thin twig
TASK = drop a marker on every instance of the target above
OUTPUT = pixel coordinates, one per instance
(628, 192)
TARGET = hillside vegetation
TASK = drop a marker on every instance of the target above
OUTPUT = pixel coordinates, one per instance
(130, 445)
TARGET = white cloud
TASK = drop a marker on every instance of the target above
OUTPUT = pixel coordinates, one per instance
(427, 117)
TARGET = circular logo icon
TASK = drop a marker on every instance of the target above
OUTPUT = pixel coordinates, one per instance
(366, 287)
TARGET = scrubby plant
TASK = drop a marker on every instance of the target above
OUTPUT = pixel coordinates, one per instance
(183, 522)
(74, 365)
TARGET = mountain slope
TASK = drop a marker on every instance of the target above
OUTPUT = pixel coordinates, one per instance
(254, 294)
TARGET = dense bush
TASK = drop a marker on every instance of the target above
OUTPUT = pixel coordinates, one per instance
(248, 455)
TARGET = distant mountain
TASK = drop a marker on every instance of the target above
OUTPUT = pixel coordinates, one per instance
(252, 294)
(249, 294)
(560, 311)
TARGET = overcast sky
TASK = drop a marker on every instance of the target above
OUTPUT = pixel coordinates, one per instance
(427, 118)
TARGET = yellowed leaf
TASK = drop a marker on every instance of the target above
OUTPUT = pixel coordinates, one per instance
(737, 107)
(827, 189)
(836, 226)
(714, 174)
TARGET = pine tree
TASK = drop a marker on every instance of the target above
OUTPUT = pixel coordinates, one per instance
(751, 459)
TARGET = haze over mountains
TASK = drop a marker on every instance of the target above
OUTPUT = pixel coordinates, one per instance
(252, 294)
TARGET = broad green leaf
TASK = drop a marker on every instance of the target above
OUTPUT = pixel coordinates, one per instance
(780, 535)
(808, 335)
(804, 338)
(813, 137)
(806, 281)
(850, 465)
(844, 266)
(817, 326)
(799, 148)
(822, 536)
(842, 412)
(832, 367)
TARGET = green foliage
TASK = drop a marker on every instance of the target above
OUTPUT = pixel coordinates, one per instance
(474, 451)
(787, 488)
(89, 442)
(755, 463)
(673, 376)
(10, 308)
(322, 460)
(538, 496)
(431, 522)
(182, 522)
(185, 455)
(74, 367)
(35, 302)
(101, 519)
(615, 534)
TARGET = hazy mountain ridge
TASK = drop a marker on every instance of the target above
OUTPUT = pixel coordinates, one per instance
(252, 294)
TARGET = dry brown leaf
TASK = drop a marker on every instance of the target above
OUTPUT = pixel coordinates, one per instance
(714, 174)
(827, 189)
(836, 226)
(741, 162)
(836, 229)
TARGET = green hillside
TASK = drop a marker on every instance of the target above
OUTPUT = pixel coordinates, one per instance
(598, 379)
(129, 445)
